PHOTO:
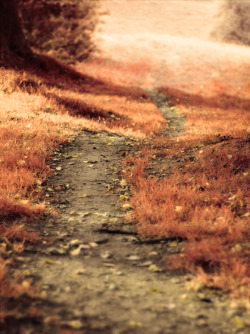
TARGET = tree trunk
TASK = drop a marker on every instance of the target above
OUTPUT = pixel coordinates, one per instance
(12, 40)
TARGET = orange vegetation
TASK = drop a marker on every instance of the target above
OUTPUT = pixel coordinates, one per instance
(203, 197)
(200, 194)
(42, 107)
(200, 191)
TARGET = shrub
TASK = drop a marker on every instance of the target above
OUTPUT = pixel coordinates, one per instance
(62, 28)
(234, 22)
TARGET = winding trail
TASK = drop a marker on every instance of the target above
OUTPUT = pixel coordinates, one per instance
(99, 276)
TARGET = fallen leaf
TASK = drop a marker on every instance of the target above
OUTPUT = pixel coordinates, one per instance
(75, 324)
(135, 324)
(106, 255)
(154, 268)
(74, 242)
(123, 183)
(71, 220)
(145, 264)
(48, 261)
(83, 196)
(113, 220)
(173, 244)
(93, 244)
(127, 206)
(232, 197)
(236, 248)
(154, 290)
(76, 251)
(178, 208)
(239, 323)
(133, 258)
(80, 272)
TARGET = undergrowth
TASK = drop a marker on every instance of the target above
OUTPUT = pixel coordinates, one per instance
(198, 192)
(193, 188)
(42, 107)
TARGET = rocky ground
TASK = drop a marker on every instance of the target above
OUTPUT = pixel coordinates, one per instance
(99, 276)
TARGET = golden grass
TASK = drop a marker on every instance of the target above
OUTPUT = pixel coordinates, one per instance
(36, 117)
(202, 198)
(39, 110)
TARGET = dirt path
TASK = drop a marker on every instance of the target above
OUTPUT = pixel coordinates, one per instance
(99, 276)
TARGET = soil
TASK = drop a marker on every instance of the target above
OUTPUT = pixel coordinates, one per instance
(98, 275)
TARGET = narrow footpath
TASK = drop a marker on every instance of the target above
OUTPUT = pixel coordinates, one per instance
(99, 276)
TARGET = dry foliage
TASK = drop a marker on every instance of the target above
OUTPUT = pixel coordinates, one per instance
(62, 28)
(234, 22)
(203, 197)
(41, 108)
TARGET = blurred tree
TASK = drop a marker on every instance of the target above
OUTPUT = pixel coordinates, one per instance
(62, 28)
(12, 39)
(234, 22)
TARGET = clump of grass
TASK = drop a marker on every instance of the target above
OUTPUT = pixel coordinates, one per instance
(199, 194)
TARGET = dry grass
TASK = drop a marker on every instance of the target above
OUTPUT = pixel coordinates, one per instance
(200, 194)
(202, 198)
(42, 107)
